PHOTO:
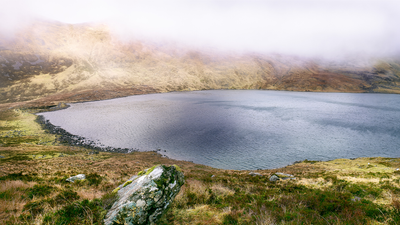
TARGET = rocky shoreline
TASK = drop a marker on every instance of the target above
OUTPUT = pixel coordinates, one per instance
(64, 137)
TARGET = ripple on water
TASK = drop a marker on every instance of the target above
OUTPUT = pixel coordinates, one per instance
(242, 129)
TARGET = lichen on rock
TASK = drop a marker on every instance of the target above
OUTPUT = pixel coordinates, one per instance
(144, 198)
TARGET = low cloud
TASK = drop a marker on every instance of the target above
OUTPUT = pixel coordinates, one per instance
(303, 27)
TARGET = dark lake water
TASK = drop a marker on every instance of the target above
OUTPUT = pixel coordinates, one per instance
(242, 129)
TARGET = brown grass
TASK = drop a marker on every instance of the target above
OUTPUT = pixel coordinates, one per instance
(13, 206)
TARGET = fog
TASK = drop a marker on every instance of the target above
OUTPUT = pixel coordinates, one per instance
(299, 27)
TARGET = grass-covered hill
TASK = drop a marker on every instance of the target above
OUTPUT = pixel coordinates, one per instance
(54, 62)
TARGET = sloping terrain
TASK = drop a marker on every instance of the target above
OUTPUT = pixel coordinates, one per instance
(51, 62)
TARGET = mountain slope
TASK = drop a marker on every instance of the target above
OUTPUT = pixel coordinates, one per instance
(50, 61)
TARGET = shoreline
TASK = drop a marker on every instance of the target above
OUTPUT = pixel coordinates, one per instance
(67, 138)
(64, 137)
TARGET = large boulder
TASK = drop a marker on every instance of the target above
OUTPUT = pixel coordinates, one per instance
(143, 198)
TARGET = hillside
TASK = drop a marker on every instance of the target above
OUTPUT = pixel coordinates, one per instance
(50, 62)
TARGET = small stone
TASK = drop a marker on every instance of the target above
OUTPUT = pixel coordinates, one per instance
(274, 178)
(2, 157)
(140, 203)
(77, 177)
(255, 174)
(397, 169)
(284, 176)
(355, 199)
(212, 176)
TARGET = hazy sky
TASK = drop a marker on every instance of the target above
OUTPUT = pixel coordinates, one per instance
(304, 27)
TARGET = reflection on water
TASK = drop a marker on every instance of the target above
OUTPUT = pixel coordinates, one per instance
(242, 129)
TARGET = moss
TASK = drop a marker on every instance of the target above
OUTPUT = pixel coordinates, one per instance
(115, 190)
(15, 141)
(151, 169)
(177, 168)
(127, 183)
(141, 173)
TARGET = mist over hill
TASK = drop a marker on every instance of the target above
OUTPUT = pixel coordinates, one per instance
(52, 61)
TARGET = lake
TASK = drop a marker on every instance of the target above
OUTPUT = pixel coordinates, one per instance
(242, 129)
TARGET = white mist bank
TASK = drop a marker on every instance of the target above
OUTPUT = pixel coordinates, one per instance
(307, 28)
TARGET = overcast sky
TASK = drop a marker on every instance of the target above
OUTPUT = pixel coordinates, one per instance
(303, 27)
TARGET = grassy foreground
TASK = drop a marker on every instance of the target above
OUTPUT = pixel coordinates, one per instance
(33, 189)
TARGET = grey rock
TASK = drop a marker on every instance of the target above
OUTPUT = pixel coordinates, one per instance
(282, 176)
(285, 176)
(255, 174)
(77, 177)
(273, 178)
(2, 157)
(144, 198)
(355, 199)
(61, 105)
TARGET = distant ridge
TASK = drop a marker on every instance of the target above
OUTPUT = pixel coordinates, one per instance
(51, 62)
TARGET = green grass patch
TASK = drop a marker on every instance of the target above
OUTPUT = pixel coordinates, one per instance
(20, 176)
(34, 208)
(6, 195)
(83, 212)
(94, 179)
(363, 190)
(16, 141)
(40, 190)
(310, 161)
(66, 196)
